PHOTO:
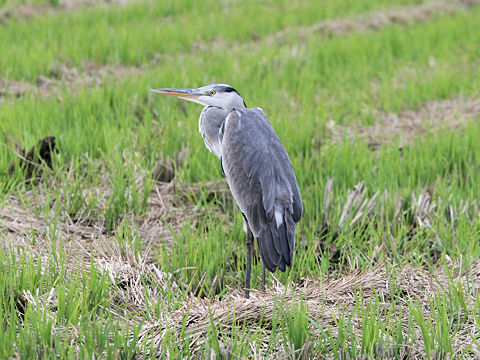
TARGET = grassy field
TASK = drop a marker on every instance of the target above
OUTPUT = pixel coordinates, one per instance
(125, 243)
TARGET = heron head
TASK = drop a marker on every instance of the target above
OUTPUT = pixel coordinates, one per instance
(219, 95)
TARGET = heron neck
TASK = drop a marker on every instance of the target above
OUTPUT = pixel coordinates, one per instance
(236, 103)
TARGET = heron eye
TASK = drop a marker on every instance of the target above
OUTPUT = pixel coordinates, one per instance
(212, 92)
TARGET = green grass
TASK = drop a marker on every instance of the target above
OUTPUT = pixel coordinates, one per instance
(110, 137)
(9, 4)
(136, 33)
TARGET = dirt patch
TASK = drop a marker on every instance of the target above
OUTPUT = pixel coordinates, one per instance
(409, 124)
(28, 229)
(344, 26)
(169, 208)
(164, 171)
(376, 20)
(60, 76)
(26, 11)
(91, 74)
(14, 88)
(373, 20)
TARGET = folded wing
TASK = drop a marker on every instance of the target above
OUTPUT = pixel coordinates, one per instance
(261, 178)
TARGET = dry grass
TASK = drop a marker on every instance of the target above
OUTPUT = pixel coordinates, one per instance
(26, 11)
(409, 125)
(336, 27)
(60, 76)
(168, 209)
(325, 300)
(91, 74)
(377, 20)
(140, 284)
(145, 256)
(11, 88)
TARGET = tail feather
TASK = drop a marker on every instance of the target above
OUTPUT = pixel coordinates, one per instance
(270, 256)
(283, 240)
(277, 245)
(291, 230)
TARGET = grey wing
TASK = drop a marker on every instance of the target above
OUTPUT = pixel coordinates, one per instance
(261, 178)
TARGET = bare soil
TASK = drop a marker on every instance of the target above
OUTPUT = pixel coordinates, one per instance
(377, 20)
(91, 74)
(409, 125)
(26, 11)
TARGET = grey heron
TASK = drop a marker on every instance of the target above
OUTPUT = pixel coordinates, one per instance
(258, 171)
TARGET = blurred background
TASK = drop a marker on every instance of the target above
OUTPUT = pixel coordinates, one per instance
(377, 103)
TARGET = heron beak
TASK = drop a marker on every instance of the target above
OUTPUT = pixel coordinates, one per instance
(187, 94)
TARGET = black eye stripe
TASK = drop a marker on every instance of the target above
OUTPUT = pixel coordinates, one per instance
(226, 89)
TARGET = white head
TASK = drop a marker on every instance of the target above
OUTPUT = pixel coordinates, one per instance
(219, 95)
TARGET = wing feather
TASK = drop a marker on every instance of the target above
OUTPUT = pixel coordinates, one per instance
(263, 183)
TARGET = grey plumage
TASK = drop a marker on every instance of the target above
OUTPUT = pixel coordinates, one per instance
(258, 171)
(262, 181)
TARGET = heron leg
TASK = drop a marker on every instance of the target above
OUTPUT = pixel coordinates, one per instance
(263, 276)
(249, 242)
